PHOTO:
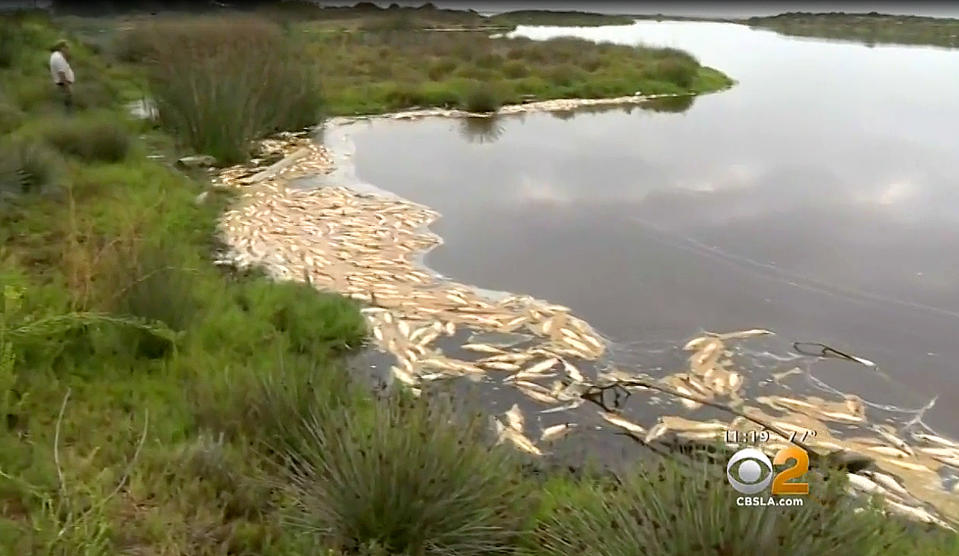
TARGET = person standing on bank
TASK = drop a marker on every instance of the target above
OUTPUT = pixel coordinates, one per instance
(62, 72)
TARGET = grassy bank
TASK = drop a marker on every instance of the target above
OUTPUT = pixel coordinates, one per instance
(155, 404)
(369, 16)
(381, 72)
(871, 28)
(371, 71)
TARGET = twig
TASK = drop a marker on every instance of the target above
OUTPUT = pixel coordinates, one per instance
(56, 446)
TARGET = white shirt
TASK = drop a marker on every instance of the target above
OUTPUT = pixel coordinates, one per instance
(57, 64)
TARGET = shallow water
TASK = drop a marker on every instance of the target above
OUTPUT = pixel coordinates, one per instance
(816, 198)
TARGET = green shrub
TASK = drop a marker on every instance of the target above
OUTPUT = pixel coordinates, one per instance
(266, 400)
(412, 477)
(220, 83)
(131, 46)
(93, 93)
(10, 42)
(672, 510)
(675, 70)
(91, 137)
(489, 61)
(10, 117)
(313, 322)
(481, 97)
(156, 287)
(515, 69)
(28, 165)
(30, 92)
(439, 94)
(565, 74)
(438, 69)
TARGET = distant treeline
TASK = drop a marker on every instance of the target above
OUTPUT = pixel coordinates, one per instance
(104, 7)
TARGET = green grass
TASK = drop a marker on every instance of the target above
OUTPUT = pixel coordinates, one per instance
(871, 28)
(379, 72)
(28, 166)
(153, 403)
(672, 510)
(411, 477)
(220, 83)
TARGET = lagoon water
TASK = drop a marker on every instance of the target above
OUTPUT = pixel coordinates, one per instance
(818, 197)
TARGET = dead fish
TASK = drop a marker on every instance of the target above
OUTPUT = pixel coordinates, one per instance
(504, 433)
(894, 440)
(862, 361)
(743, 334)
(521, 442)
(403, 376)
(526, 375)
(915, 513)
(863, 484)
(935, 439)
(708, 350)
(436, 376)
(578, 345)
(841, 416)
(572, 372)
(542, 366)
(888, 451)
(538, 396)
(696, 343)
(450, 328)
(622, 423)
(500, 366)
(699, 435)
(779, 376)
(658, 430)
(951, 462)
(556, 432)
(906, 464)
(940, 452)
(515, 419)
(686, 425)
(506, 358)
(482, 348)
(889, 483)
(575, 404)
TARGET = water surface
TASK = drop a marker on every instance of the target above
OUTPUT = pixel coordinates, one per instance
(819, 198)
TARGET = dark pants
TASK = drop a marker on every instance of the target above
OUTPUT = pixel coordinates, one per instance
(67, 95)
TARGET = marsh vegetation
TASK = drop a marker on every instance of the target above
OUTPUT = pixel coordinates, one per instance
(870, 28)
(153, 403)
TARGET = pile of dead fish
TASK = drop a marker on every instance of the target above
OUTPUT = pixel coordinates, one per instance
(367, 247)
(555, 105)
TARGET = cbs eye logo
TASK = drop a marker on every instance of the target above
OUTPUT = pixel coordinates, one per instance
(746, 474)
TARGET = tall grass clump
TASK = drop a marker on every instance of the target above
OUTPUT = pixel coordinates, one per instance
(11, 41)
(10, 116)
(409, 477)
(673, 510)
(155, 286)
(221, 83)
(28, 165)
(92, 137)
(481, 97)
(681, 71)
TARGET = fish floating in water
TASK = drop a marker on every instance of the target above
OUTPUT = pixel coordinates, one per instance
(555, 432)
(369, 247)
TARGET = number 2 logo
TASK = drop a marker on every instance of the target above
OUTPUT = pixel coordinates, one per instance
(798, 469)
